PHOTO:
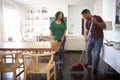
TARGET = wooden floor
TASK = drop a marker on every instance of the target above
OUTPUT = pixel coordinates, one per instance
(71, 57)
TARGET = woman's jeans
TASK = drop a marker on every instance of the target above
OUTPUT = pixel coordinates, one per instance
(95, 44)
(60, 53)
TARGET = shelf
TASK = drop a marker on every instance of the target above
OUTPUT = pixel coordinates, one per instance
(35, 20)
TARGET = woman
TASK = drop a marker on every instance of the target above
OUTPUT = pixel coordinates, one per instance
(57, 32)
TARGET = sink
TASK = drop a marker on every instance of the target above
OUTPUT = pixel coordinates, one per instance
(116, 45)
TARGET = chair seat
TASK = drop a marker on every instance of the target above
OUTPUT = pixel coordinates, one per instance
(8, 67)
(41, 68)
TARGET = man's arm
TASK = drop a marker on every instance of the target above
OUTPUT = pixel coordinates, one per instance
(86, 35)
(100, 24)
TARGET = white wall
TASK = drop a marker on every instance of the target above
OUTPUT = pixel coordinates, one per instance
(74, 17)
(98, 7)
(105, 9)
(108, 10)
(1, 20)
(52, 10)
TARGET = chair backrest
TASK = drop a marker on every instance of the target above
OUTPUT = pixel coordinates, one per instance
(37, 59)
(14, 56)
(1, 57)
(12, 65)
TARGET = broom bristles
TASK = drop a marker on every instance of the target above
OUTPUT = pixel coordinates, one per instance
(77, 67)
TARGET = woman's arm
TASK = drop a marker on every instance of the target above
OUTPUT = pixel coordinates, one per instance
(51, 34)
(64, 35)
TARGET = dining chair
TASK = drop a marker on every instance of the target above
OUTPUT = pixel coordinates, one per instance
(35, 64)
(14, 64)
(1, 57)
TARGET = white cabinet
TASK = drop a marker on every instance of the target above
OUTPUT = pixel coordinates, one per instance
(111, 56)
(75, 42)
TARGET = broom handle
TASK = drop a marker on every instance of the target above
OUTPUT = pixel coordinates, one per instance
(81, 56)
(84, 44)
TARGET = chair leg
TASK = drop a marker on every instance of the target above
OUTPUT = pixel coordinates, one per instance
(25, 75)
(14, 73)
(1, 76)
(48, 75)
(55, 72)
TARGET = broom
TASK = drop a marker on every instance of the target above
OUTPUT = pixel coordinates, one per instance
(79, 66)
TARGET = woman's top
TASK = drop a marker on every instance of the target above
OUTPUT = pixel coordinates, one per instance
(57, 30)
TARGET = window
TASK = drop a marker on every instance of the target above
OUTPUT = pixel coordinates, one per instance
(11, 23)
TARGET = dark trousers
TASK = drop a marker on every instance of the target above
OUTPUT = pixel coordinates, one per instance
(60, 53)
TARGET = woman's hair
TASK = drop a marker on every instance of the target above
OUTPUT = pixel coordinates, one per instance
(57, 14)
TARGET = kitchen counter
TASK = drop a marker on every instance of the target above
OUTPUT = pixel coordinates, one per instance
(74, 42)
(111, 56)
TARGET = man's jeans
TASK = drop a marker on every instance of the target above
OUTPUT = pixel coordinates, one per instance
(95, 44)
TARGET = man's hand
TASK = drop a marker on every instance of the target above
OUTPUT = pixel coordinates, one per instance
(100, 24)
(86, 39)
(94, 20)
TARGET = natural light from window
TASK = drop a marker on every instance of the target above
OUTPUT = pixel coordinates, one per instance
(11, 24)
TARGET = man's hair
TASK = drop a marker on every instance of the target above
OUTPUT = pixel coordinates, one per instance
(85, 11)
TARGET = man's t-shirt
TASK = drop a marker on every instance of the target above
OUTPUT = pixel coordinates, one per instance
(96, 31)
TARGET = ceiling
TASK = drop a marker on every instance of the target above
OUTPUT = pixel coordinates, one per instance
(55, 2)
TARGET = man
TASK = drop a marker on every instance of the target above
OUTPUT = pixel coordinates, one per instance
(95, 39)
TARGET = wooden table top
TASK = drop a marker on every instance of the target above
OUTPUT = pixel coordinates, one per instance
(43, 45)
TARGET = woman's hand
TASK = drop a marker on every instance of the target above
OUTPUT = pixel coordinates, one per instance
(53, 40)
(62, 39)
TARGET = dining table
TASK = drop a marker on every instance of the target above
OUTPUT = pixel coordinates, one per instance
(30, 46)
